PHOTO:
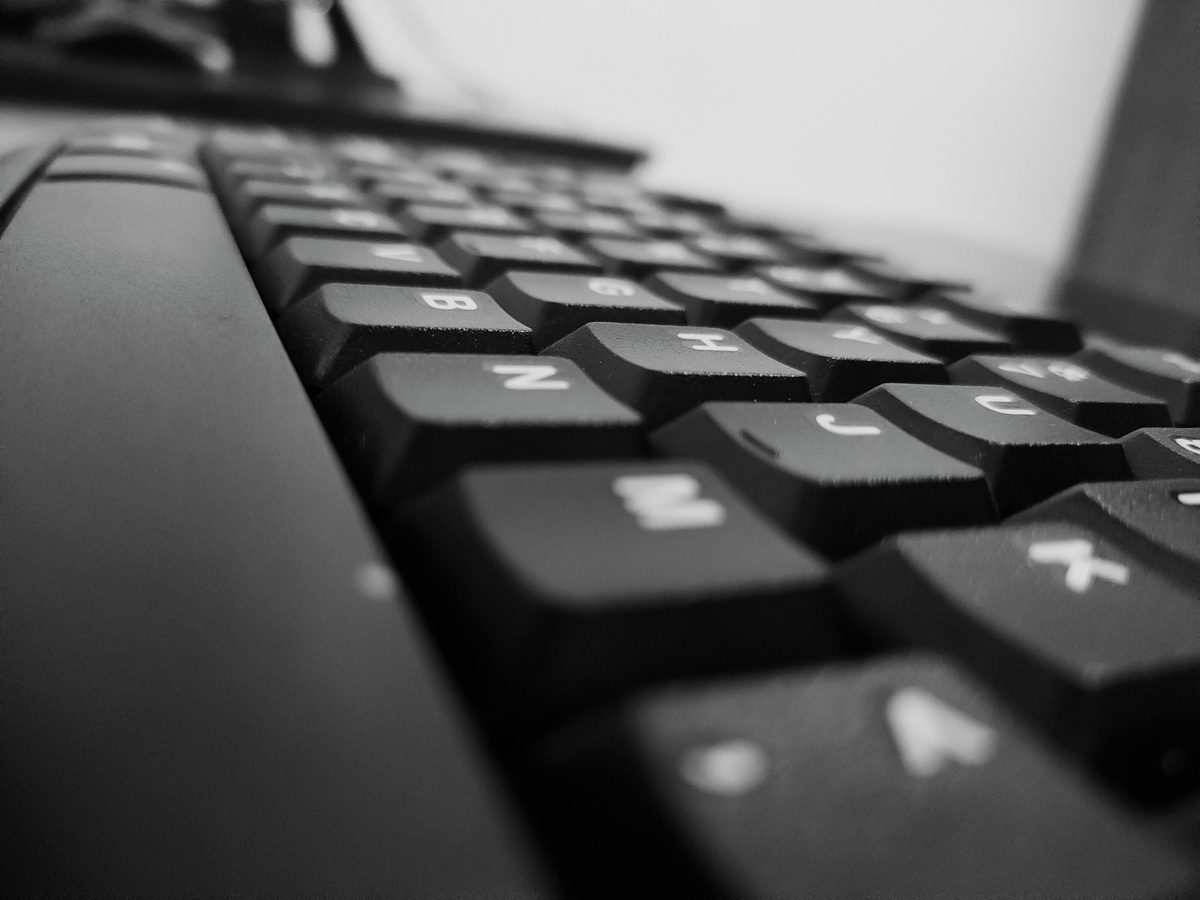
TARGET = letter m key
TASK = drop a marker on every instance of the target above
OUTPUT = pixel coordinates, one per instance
(668, 502)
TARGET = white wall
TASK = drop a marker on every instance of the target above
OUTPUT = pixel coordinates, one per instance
(965, 117)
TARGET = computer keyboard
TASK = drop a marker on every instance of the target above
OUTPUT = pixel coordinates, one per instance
(760, 565)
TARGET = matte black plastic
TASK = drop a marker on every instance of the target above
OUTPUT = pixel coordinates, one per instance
(208, 684)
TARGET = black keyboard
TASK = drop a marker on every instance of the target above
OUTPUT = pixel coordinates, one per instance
(421, 519)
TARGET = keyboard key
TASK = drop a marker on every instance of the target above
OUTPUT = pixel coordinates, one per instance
(897, 778)
(663, 371)
(393, 173)
(1067, 389)
(1167, 374)
(484, 257)
(837, 475)
(250, 195)
(657, 565)
(1027, 454)
(338, 326)
(663, 224)
(296, 171)
(1164, 452)
(1027, 327)
(405, 421)
(736, 251)
(575, 225)
(366, 151)
(176, 172)
(925, 329)
(300, 265)
(639, 259)
(549, 202)
(554, 305)
(1158, 522)
(724, 301)
(903, 282)
(809, 250)
(674, 200)
(429, 224)
(1093, 647)
(827, 289)
(398, 195)
(616, 203)
(125, 144)
(274, 223)
(841, 361)
(224, 143)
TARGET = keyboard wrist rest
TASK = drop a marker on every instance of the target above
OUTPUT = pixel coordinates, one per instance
(205, 688)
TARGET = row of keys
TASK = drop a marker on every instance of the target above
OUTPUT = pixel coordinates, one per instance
(838, 476)
(898, 777)
(663, 566)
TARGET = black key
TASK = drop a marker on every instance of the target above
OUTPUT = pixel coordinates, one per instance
(250, 195)
(273, 224)
(925, 329)
(726, 300)
(898, 778)
(902, 282)
(405, 421)
(300, 265)
(398, 195)
(837, 475)
(370, 175)
(809, 250)
(674, 200)
(576, 225)
(1159, 522)
(429, 224)
(365, 150)
(827, 289)
(1164, 452)
(736, 251)
(129, 143)
(458, 161)
(841, 361)
(639, 259)
(1027, 327)
(338, 326)
(1093, 647)
(484, 257)
(498, 180)
(294, 171)
(617, 203)
(1166, 374)
(224, 143)
(663, 370)
(588, 580)
(1067, 389)
(176, 172)
(1027, 454)
(550, 202)
(612, 184)
(554, 305)
(662, 224)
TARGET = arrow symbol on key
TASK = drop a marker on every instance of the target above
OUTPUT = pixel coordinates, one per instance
(929, 733)
(1082, 566)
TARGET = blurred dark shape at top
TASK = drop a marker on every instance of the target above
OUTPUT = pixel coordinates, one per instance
(243, 51)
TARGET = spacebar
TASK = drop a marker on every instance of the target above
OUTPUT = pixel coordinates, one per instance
(209, 685)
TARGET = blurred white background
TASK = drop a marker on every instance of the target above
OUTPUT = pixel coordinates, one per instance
(959, 117)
